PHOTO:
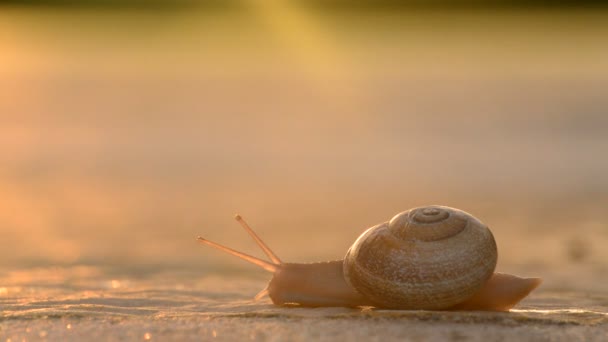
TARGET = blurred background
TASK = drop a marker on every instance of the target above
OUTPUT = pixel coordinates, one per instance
(127, 128)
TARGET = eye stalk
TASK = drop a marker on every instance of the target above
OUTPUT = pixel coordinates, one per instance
(268, 266)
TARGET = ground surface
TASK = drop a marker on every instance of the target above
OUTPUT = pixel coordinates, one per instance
(216, 308)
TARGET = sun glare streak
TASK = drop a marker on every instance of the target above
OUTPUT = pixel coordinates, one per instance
(18, 54)
(9, 46)
(311, 46)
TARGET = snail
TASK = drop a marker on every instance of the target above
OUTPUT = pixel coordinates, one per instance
(427, 258)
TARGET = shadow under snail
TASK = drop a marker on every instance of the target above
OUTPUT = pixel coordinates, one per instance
(427, 258)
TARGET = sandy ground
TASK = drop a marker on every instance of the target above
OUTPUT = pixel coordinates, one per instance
(402, 326)
(220, 308)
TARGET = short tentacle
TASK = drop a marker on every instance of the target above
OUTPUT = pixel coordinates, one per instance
(261, 294)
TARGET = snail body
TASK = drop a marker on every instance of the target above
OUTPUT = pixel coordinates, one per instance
(431, 258)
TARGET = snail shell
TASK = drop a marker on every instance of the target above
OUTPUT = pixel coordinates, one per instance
(425, 258)
(430, 258)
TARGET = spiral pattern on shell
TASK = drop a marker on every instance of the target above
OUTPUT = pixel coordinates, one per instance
(425, 258)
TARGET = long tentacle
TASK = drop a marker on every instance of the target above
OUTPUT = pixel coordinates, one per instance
(275, 259)
(256, 261)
